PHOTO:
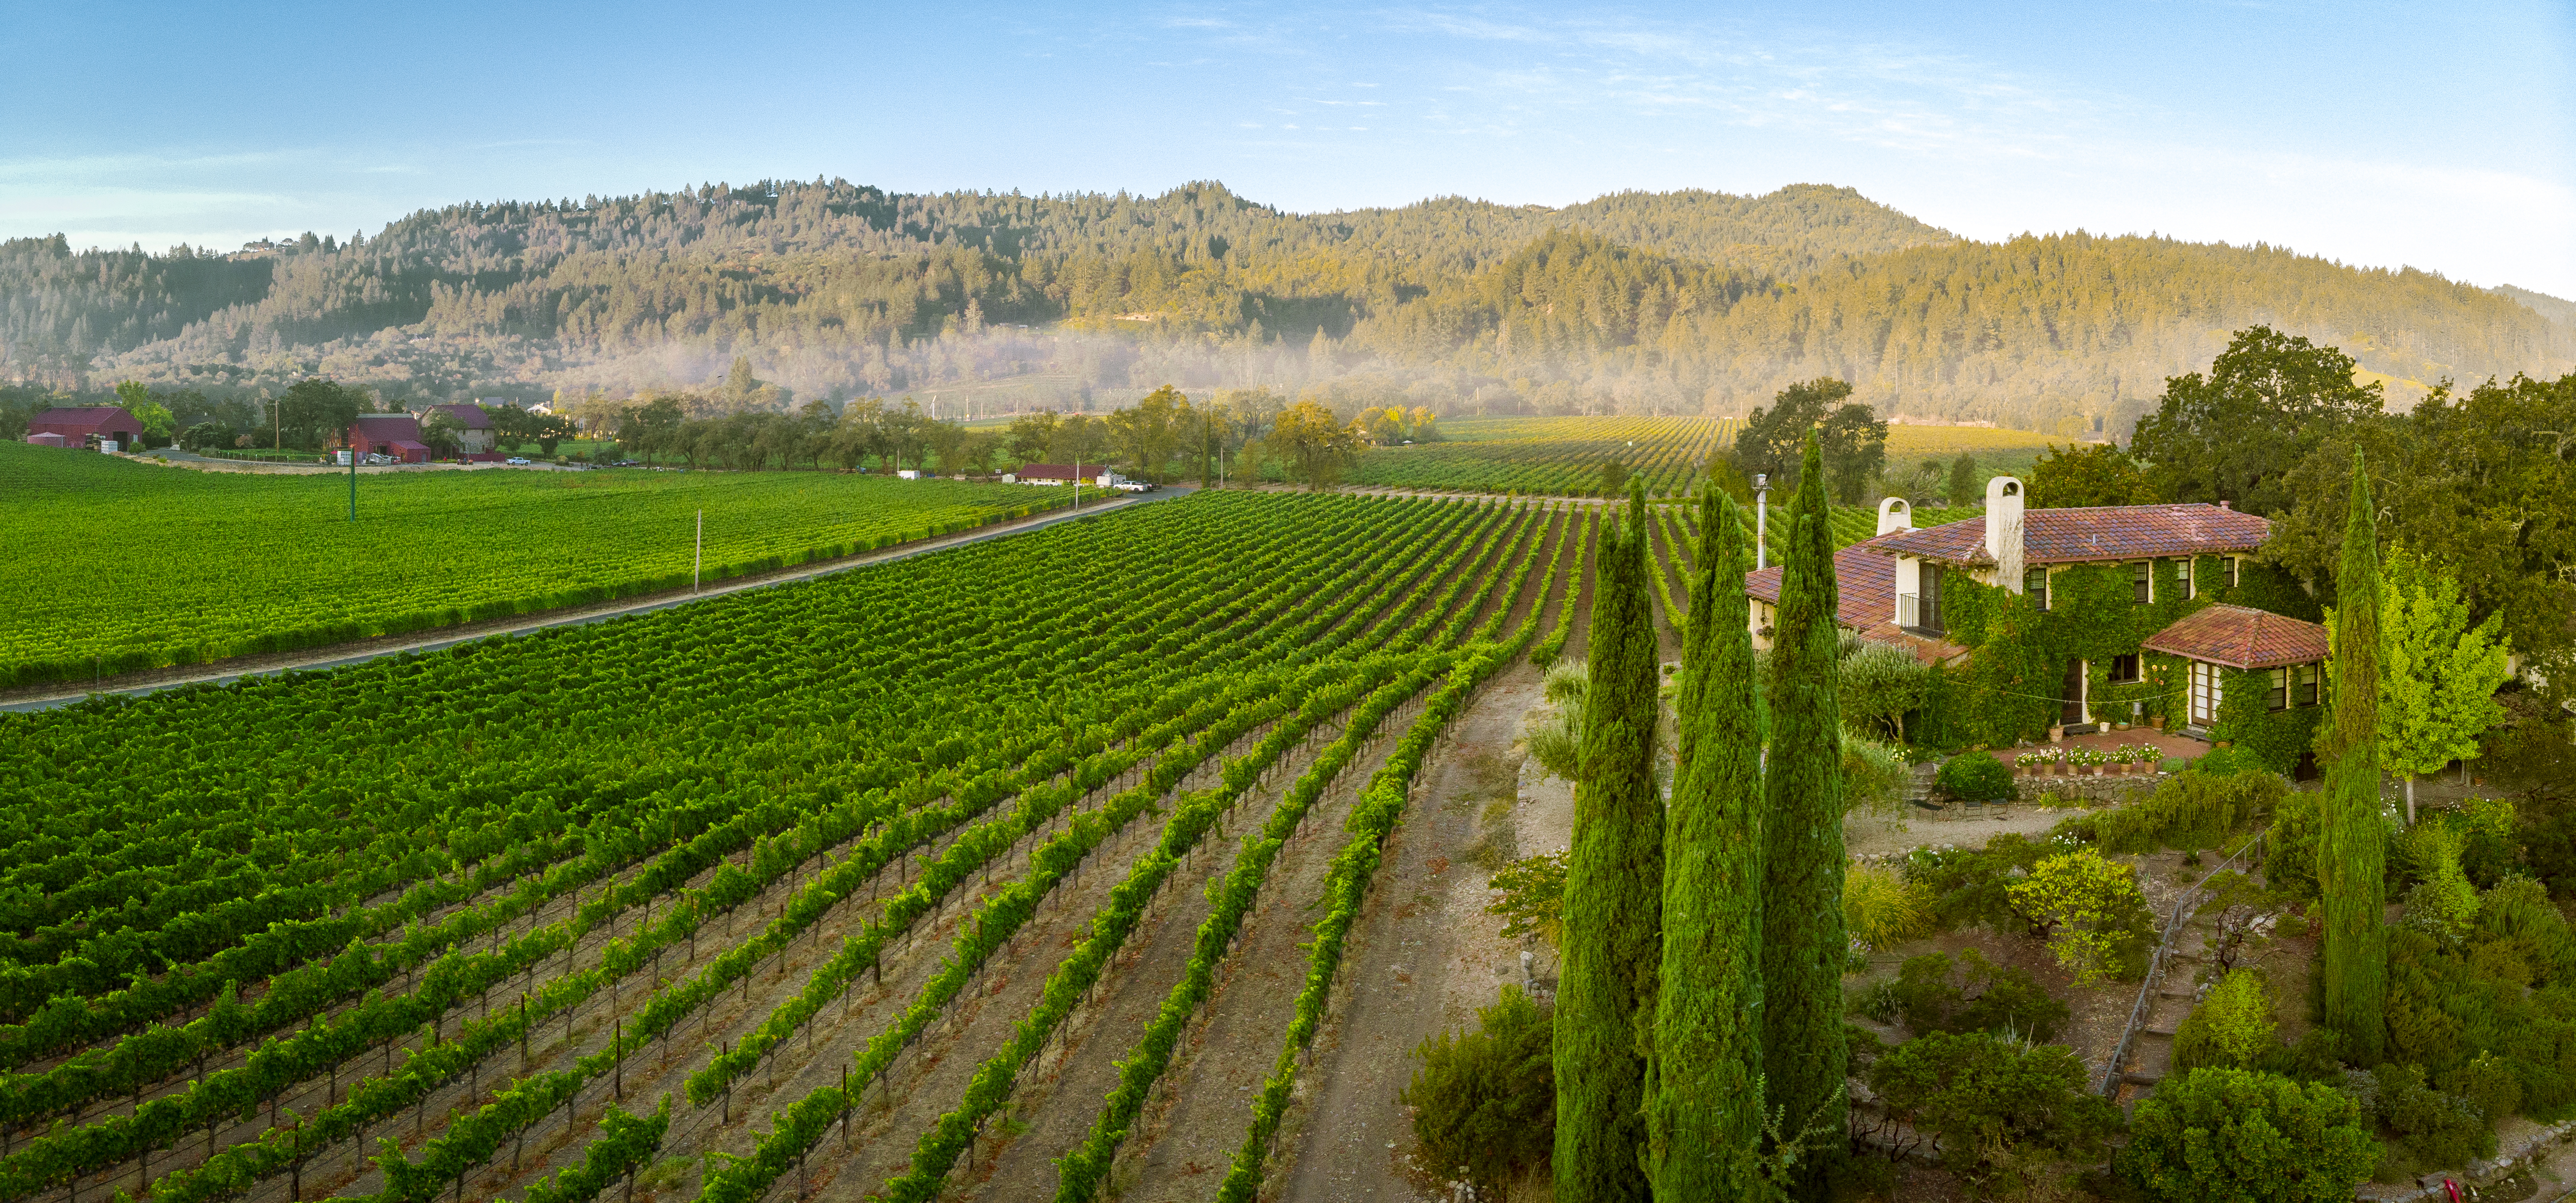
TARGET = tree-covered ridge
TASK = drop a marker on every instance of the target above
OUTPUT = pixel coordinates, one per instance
(1659, 303)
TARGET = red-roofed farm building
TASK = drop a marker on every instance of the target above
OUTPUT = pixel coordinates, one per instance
(85, 426)
(2080, 619)
(395, 435)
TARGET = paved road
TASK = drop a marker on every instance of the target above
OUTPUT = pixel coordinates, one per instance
(322, 658)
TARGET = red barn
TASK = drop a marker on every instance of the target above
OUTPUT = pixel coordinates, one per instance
(397, 435)
(87, 425)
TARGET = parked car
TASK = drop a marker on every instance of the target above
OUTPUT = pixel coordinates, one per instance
(1134, 486)
(516, 459)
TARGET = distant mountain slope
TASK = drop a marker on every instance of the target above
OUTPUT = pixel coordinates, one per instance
(2556, 310)
(1639, 302)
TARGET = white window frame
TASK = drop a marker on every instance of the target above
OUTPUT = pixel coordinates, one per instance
(2204, 690)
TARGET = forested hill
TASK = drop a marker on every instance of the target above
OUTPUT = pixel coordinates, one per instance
(1688, 301)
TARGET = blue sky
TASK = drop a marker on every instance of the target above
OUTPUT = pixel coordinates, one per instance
(2437, 136)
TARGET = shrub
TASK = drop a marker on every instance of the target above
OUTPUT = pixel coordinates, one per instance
(1933, 994)
(2239, 1135)
(1874, 775)
(1881, 909)
(1967, 884)
(2489, 1085)
(2191, 810)
(1975, 777)
(1530, 896)
(1486, 1099)
(2005, 1112)
(2443, 904)
(2432, 1127)
(2290, 864)
(2518, 912)
(2447, 1004)
(2228, 762)
(2091, 911)
(2231, 1029)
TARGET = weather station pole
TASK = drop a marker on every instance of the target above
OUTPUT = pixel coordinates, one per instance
(1761, 518)
(352, 453)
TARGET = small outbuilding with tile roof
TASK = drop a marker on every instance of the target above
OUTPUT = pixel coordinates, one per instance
(2291, 651)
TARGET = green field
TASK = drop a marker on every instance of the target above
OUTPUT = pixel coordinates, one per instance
(123, 566)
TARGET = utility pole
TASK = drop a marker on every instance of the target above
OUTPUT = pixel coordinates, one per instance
(698, 561)
(352, 453)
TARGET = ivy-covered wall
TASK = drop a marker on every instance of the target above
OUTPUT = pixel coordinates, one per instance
(2004, 694)
(2245, 719)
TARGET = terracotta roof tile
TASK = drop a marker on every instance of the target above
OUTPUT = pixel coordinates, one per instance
(2240, 638)
(2081, 533)
(1866, 585)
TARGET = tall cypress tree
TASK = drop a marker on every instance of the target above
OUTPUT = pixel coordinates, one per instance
(1803, 949)
(2352, 851)
(1704, 1106)
(1613, 890)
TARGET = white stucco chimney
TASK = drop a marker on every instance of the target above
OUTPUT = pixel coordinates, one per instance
(2004, 497)
(1894, 514)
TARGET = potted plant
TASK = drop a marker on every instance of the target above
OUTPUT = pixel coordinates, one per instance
(2057, 733)
(2027, 764)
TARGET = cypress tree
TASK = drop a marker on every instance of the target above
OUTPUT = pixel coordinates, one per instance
(1613, 889)
(2352, 850)
(1704, 1104)
(1803, 947)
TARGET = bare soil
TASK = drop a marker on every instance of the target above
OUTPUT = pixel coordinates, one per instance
(1197, 1117)
(1423, 956)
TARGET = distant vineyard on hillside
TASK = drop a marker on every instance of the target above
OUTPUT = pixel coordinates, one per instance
(1551, 457)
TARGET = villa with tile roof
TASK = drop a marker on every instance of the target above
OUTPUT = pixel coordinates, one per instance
(2083, 618)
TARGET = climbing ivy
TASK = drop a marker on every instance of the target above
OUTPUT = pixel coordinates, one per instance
(2246, 719)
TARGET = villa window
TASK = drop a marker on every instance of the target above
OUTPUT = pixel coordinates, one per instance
(2142, 581)
(2124, 670)
(2182, 575)
(2035, 583)
(2306, 691)
(2277, 695)
(2234, 563)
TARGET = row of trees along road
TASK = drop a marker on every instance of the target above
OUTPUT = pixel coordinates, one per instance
(1700, 1001)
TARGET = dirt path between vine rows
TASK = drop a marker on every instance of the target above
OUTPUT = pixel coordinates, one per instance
(1197, 1115)
(46, 697)
(1423, 956)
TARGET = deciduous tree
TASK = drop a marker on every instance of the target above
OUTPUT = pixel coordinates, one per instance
(2233, 434)
(2438, 674)
(2098, 474)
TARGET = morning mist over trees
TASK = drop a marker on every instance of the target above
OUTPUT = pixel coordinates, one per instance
(1674, 303)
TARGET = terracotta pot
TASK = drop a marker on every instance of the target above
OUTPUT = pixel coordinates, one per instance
(2057, 734)
(2156, 721)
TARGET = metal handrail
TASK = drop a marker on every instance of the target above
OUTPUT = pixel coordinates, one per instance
(2183, 907)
